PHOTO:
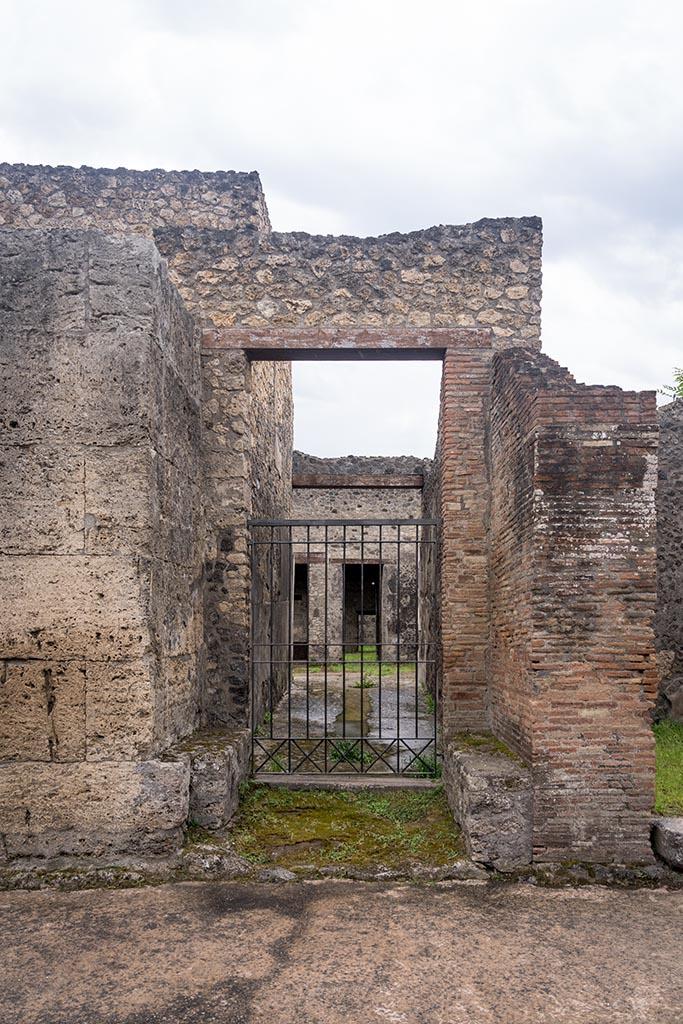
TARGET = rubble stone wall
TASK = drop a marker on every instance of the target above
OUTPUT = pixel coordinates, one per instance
(101, 542)
(573, 674)
(486, 274)
(669, 614)
(119, 201)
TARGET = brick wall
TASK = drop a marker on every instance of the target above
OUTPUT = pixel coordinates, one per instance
(464, 500)
(573, 672)
(669, 613)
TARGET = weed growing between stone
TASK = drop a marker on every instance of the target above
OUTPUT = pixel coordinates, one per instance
(317, 828)
(669, 771)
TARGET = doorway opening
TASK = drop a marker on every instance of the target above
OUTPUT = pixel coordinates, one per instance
(362, 606)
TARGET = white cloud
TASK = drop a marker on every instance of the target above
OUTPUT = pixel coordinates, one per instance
(372, 117)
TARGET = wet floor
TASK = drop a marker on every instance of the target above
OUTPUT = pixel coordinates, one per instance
(377, 720)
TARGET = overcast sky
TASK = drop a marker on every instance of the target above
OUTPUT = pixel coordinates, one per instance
(372, 116)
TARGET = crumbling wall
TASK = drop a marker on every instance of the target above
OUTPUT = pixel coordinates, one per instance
(573, 540)
(669, 613)
(129, 202)
(359, 466)
(101, 542)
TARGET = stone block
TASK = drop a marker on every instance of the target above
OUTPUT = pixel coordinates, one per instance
(43, 280)
(179, 525)
(219, 762)
(176, 697)
(120, 282)
(490, 795)
(180, 422)
(78, 387)
(41, 496)
(111, 807)
(121, 511)
(74, 606)
(176, 607)
(42, 711)
(667, 840)
(119, 714)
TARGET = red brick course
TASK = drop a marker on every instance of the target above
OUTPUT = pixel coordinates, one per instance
(573, 581)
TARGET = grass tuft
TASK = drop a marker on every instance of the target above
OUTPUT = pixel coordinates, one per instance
(669, 772)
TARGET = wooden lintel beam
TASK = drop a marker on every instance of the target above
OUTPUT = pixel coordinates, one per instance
(339, 480)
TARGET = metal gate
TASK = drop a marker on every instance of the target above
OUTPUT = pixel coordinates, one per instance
(344, 673)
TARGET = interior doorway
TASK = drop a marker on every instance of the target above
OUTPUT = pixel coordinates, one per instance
(363, 606)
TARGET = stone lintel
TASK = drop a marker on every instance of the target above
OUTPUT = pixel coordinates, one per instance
(344, 343)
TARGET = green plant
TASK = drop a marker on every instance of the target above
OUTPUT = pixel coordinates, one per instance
(365, 682)
(426, 766)
(674, 390)
(429, 701)
(306, 829)
(264, 727)
(274, 764)
(350, 751)
(669, 770)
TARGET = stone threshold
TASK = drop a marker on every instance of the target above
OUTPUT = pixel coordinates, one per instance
(346, 781)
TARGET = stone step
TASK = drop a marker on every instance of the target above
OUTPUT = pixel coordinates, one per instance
(346, 781)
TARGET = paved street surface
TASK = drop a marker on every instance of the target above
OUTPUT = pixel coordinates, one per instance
(333, 951)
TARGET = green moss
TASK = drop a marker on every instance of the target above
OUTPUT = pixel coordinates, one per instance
(669, 772)
(314, 828)
(198, 835)
(487, 743)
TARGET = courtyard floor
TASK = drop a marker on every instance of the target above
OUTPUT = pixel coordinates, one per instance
(332, 951)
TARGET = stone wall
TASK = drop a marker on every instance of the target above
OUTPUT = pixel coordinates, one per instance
(359, 466)
(573, 556)
(246, 409)
(669, 614)
(101, 542)
(129, 202)
(486, 274)
(364, 502)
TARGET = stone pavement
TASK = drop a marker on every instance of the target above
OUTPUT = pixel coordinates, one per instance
(333, 951)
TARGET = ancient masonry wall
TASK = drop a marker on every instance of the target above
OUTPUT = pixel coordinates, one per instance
(669, 614)
(463, 496)
(246, 409)
(104, 657)
(129, 202)
(101, 637)
(486, 274)
(572, 535)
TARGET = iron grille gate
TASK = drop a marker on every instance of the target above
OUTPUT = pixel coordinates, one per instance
(343, 656)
